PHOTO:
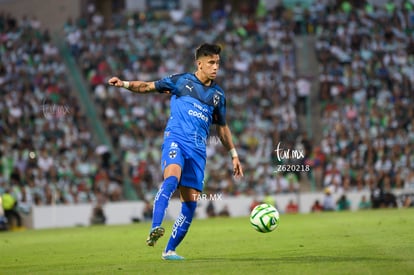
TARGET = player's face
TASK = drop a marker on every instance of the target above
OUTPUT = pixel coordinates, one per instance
(209, 65)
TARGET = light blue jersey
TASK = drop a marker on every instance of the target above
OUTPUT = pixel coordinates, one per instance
(194, 107)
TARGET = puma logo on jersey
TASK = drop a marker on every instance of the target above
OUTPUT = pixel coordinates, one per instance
(189, 87)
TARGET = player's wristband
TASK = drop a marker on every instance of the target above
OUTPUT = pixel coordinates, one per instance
(125, 84)
(233, 153)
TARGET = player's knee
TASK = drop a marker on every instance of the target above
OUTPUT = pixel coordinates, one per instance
(172, 170)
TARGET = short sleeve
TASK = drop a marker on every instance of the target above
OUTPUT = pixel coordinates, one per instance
(219, 113)
(167, 84)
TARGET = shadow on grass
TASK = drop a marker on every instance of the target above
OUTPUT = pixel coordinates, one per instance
(300, 259)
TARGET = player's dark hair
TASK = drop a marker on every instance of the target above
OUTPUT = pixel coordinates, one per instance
(207, 50)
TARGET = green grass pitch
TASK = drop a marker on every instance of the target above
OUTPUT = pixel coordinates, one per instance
(371, 242)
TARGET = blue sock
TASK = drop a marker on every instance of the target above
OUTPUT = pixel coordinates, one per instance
(162, 199)
(181, 225)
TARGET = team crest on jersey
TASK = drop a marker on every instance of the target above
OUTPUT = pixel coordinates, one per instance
(173, 145)
(216, 99)
(172, 154)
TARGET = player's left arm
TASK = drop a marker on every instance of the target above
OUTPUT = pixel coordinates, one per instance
(226, 139)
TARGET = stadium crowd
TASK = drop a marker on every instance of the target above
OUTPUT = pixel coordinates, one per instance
(48, 151)
(366, 86)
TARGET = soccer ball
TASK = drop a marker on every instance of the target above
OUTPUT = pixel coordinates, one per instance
(264, 218)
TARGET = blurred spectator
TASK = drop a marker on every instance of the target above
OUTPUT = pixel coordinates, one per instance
(343, 203)
(3, 220)
(293, 182)
(269, 199)
(317, 162)
(316, 207)
(291, 207)
(303, 90)
(328, 203)
(364, 203)
(210, 210)
(9, 204)
(254, 203)
(390, 200)
(147, 212)
(224, 212)
(408, 202)
(98, 215)
(383, 197)
(282, 183)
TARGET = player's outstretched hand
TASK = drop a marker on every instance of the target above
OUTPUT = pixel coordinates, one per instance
(115, 81)
(237, 168)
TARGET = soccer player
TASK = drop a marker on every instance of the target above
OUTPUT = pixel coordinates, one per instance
(196, 103)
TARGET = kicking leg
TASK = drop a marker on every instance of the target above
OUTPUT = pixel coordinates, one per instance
(183, 222)
(172, 176)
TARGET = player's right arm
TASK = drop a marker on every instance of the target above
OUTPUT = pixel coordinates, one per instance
(135, 86)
